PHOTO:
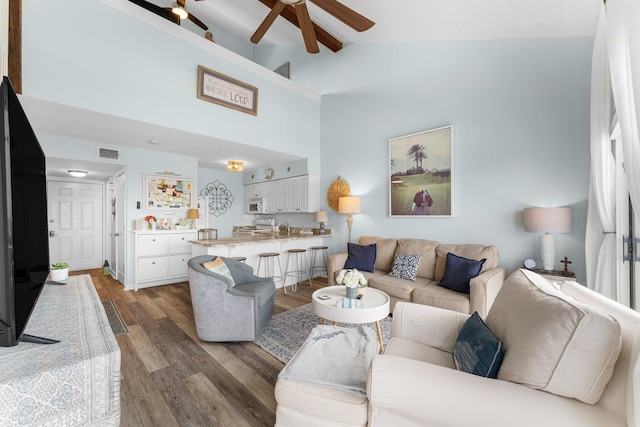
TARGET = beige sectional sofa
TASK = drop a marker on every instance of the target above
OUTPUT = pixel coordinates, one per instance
(572, 358)
(425, 290)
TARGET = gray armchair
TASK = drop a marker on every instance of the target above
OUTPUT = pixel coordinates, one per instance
(229, 313)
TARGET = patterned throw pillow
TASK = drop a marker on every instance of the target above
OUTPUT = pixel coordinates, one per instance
(405, 266)
(219, 267)
(476, 350)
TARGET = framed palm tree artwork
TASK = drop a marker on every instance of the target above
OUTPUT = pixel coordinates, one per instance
(421, 174)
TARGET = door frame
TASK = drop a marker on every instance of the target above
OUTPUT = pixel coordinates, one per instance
(120, 273)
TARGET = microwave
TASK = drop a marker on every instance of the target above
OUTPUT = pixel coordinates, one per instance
(257, 205)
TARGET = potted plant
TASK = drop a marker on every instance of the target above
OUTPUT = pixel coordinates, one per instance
(59, 271)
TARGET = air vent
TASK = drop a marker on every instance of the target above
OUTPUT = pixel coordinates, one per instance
(108, 153)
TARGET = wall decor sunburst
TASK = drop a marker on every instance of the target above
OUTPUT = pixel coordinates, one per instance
(220, 197)
(339, 188)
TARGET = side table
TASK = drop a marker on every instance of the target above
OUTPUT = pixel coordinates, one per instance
(375, 307)
(556, 275)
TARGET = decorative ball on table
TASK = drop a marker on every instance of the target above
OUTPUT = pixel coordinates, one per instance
(529, 264)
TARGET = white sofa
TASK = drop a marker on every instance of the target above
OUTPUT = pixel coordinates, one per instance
(415, 382)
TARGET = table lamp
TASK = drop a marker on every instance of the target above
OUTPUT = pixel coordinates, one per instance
(322, 217)
(349, 205)
(193, 214)
(547, 220)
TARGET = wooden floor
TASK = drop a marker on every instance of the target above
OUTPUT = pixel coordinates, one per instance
(171, 378)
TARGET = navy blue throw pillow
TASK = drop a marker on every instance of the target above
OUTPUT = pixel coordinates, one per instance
(476, 350)
(362, 258)
(458, 271)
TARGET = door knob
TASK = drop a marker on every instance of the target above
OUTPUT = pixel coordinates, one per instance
(52, 233)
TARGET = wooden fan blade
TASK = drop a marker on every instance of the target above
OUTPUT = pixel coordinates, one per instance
(266, 24)
(168, 15)
(198, 22)
(181, 2)
(306, 26)
(345, 14)
(323, 36)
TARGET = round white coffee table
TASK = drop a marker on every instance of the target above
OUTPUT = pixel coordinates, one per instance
(372, 307)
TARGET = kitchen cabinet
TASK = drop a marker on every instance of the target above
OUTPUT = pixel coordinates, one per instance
(161, 256)
(283, 198)
(296, 194)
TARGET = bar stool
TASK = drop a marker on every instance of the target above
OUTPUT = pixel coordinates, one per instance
(239, 258)
(269, 265)
(315, 250)
(299, 269)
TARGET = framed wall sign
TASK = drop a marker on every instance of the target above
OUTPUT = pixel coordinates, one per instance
(164, 193)
(421, 174)
(229, 92)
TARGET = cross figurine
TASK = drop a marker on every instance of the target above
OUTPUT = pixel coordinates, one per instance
(566, 262)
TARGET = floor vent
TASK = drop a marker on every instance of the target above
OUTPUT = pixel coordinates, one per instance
(108, 153)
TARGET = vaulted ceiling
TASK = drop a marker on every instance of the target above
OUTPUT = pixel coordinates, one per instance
(409, 20)
(395, 22)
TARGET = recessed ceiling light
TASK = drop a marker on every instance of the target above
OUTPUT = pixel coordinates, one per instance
(153, 142)
(77, 173)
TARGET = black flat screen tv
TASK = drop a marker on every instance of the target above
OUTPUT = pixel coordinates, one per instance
(24, 239)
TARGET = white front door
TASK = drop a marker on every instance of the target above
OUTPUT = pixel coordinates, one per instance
(75, 224)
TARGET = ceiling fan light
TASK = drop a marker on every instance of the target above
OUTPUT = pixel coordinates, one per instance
(293, 2)
(179, 10)
(235, 166)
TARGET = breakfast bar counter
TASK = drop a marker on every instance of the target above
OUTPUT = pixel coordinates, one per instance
(258, 238)
(250, 246)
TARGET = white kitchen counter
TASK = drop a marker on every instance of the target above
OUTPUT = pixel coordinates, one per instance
(251, 246)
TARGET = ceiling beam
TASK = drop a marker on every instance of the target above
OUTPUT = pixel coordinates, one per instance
(14, 63)
(323, 36)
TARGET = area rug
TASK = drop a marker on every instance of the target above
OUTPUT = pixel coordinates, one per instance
(286, 332)
(115, 318)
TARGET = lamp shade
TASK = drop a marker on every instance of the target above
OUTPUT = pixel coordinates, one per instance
(547, 220)
(322, 216)
(349, 205)
(193, 214)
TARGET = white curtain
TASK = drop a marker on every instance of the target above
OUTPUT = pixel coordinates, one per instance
(623, 40)
(600, 236)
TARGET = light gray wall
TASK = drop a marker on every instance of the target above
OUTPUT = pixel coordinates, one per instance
(101, 59)
(234, 215)
(519, 108)
(520, 112)
(137, 163)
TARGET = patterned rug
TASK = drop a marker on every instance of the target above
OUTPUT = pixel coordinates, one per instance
(287, 331)
(115, 318)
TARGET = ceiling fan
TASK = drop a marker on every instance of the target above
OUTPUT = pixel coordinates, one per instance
(296, 12)
(175, 13)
